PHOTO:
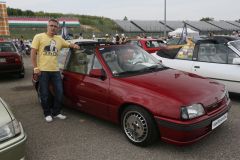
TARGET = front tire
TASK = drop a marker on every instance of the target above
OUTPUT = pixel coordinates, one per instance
(138, 126)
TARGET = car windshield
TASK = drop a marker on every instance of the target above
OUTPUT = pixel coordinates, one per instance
(126, 59)
(236, 44)
(7, 47)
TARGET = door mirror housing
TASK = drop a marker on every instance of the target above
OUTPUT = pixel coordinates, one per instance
(236, 60)
(97, 73)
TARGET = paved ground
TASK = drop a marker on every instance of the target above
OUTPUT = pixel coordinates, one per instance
(85, 137)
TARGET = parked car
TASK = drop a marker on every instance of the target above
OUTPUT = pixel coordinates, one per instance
(11, 60)
(12, 135)
(148, 44)
(209, 58)
(126, 85)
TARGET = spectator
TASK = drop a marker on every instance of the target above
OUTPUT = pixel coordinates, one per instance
(44, 56)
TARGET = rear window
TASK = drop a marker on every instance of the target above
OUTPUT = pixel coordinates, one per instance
(7, 47)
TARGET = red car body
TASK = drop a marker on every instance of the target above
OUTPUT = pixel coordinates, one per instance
(10, 59)
(154, 95)
(149, 45)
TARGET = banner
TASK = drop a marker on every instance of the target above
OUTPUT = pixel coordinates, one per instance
(4, 27)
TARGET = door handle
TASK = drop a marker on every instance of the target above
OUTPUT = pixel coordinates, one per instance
(196, 66)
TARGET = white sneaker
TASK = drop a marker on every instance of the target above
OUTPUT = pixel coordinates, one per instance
(48, 118)
(60, 116)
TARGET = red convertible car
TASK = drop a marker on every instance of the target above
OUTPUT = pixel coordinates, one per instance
(126, 85)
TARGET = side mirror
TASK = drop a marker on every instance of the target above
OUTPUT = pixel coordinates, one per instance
(236, 60)
(97, 73)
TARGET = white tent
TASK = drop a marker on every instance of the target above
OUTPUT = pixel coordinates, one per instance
(178, 33)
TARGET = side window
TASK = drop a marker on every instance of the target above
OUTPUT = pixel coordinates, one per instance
(96, 63)
(63, 57)
(186, 52)
(215, 53)
(81, 60)
(231, 55)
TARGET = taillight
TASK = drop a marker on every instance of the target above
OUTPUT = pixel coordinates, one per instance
(18, 60)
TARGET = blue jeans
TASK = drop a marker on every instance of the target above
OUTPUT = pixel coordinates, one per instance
(51, 106)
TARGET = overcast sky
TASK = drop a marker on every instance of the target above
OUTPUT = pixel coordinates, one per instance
(137, 9)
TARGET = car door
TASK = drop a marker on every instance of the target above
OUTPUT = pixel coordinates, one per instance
(87, 93)
(215, 61)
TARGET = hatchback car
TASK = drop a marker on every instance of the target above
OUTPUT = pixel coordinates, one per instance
(213, 58)
(12, 136)
(126, 85)
(11, 60)
(149, 45)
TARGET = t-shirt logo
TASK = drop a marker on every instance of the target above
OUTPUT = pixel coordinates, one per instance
(51, 49)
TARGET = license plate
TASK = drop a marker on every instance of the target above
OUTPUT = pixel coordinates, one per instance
(219, 121)
(2, 60)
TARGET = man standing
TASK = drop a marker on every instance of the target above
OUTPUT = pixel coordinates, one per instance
(44, 56)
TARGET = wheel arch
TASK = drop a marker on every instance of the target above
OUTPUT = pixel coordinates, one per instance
(125, 105)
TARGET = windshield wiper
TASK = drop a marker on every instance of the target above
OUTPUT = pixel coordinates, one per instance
(126, 73)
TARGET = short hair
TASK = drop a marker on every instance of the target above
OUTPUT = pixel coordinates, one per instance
(53, 20)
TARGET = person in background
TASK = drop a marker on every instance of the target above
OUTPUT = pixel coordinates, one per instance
(44, 57)
(123, 39)
(117, 39)
(80, 36)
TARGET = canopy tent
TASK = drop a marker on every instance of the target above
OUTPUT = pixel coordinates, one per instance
(179, 31)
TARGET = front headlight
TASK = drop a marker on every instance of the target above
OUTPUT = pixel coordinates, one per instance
(9, 130)
(227, 94)
(190, 112)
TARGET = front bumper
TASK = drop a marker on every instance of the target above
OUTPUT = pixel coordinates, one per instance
(14, 149)
(179, 133)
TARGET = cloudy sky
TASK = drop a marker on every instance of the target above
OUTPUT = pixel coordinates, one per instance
(137, 9)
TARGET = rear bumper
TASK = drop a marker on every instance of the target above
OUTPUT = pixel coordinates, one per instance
(14, 149)
(183, 134)
(13, 68)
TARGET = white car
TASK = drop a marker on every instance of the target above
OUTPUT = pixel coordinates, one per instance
(12, 135)
(208, 58)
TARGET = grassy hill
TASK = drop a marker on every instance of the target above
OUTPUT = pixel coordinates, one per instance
(88, 24)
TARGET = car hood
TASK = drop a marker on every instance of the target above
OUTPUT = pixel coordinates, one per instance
(4, 113)
(183, 87)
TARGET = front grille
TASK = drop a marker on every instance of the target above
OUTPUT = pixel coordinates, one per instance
(217, 105)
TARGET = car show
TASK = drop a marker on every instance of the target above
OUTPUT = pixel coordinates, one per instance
(76, 86)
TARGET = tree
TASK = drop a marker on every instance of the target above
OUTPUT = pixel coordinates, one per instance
(207, 19)
(125, 18)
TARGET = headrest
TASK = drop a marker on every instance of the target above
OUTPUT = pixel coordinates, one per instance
(109, 57)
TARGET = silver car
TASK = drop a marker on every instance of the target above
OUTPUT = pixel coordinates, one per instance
(12, 136)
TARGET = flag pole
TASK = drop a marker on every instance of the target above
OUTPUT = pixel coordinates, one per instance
(165, 21)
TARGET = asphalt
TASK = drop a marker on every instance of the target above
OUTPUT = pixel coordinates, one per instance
(84, 137)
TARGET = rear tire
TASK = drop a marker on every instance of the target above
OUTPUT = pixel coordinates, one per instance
(22, 73)
(138, 126)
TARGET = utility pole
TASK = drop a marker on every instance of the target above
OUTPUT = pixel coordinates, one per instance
(165, 22)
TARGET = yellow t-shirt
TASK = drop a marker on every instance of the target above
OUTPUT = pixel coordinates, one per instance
(48, 50)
